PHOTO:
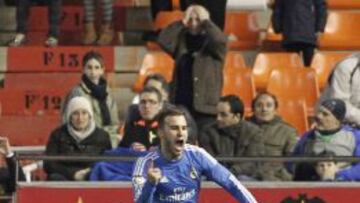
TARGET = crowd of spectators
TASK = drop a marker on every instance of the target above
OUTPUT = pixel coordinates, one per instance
(217, 123)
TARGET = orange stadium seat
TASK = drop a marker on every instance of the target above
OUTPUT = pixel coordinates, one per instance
(342, 31)
(234, 60)
(163, 19)
(265, 62)
(154, 62)
(28, 130)
(243, 26)
(295, 84)
(176, 4)
(343, 4)
(294, 112)
(324, 62)
(240, 82)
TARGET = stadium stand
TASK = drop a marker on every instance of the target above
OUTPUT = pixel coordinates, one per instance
(295, 84)
(324, 62)
(341, 4)
(265, 62)
(240, 82)
(341, 31)
(289, 108)
(154, 62)
(243, 30)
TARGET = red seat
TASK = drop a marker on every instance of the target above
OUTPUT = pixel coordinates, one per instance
(295, 84)
(343, 4)
(342, 31)
(28, 130)
(234, 60)
(154, 62)
(324, 62)
(244, 27)
(266, 62)
(240, 82)
(294, 112)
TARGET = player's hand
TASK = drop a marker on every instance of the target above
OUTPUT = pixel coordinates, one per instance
(138, 147)
(4, 146)
(81, 174)
(154, 174)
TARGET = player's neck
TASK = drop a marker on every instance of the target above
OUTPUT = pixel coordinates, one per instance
(168, 155)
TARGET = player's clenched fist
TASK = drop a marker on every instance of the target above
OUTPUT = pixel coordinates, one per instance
(154, 174)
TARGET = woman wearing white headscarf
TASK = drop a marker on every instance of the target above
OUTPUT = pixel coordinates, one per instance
(78, 136)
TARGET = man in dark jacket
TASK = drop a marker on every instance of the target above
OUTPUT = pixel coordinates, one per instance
(140, 130)
(198, 47)
(232, 136)
(300, 21)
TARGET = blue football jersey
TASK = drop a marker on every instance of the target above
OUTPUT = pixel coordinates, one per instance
(181, 179)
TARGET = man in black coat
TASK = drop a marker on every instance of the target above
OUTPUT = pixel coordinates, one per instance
(300, 22)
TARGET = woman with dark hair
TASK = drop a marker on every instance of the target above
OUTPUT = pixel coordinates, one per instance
(79, 136)
(279, 136)
(94, 87)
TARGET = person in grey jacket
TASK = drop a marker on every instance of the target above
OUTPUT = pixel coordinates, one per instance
(279, 137)
(344, 84)
(232, 136)
(94, 87)
(198, 47)
(300, 22)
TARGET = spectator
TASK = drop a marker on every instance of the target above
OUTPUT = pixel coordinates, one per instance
(22, 15)
(233, 136)
(300, 22)
(157, 81)
(107, 32)
(94, 87)
(326, 170)
(8, 174)
(279, 136)
(79, 136)
(216, 8)
(140, 132)
(344, 84)
(198, 47)
(329, 135)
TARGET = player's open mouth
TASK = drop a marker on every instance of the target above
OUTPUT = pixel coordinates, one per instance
(180, 142)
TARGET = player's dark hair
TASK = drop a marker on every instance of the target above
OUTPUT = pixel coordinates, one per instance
(171, 111)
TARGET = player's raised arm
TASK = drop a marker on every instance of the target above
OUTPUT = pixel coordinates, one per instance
(222, 176)
(145, 179)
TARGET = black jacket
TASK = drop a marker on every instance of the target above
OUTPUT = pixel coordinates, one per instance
(299, 20)
(8, 175)
(62, 143)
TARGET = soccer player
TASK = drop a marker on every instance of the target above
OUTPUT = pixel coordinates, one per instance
(173, 172)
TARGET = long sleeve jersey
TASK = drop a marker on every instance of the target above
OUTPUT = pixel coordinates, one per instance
(181, 179)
